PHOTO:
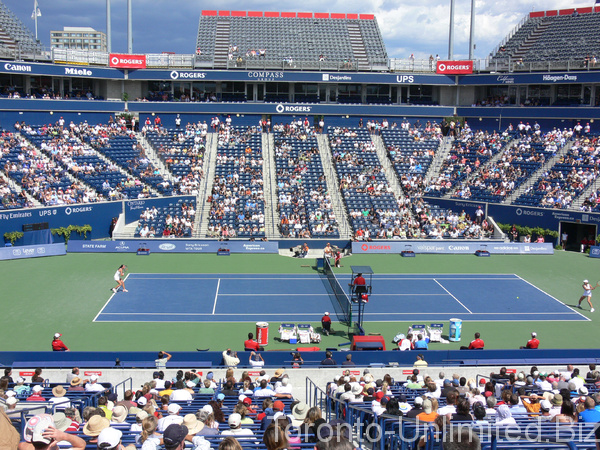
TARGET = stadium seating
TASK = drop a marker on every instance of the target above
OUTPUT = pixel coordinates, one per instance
(372, 208)
(304, 204)
(14, 36)
(469, 151)
(174, 220)
(237, 198)
(411, 151)
(182, 151)
(569, 37)
(288, 40)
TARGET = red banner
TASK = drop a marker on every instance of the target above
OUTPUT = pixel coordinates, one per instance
(121, 61)
(454, 67)
(89, 373)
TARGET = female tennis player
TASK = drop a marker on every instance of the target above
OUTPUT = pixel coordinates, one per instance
(119, 274)
(587, 294)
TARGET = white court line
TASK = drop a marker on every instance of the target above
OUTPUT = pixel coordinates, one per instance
(285, 294)
(107, 302)
(249, 321)
(216, 295)
(554, 298)
(450, 294)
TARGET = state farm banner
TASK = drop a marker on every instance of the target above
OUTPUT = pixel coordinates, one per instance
(454, 67)
(121, 61)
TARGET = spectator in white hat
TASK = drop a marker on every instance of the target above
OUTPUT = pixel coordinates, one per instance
(41, 434)
(110, 439)
(21, 389)
(11, 406)
(235, 427)
(172, 417)
(93, 385)
(36, 394)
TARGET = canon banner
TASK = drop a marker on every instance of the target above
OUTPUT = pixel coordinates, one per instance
(454, 67)
(121, 61)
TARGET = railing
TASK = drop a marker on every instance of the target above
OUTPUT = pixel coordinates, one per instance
(190, 62)
(125, 385)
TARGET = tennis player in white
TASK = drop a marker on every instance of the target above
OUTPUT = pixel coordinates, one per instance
(119, 274)
(587, 294)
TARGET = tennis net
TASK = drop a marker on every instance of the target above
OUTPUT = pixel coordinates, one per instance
(342, 304)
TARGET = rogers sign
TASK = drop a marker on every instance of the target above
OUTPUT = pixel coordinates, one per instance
(127, 61)
(454, 67)
(367, 247)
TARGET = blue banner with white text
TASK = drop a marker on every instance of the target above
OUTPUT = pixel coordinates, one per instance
(32, 251)
(172, 246)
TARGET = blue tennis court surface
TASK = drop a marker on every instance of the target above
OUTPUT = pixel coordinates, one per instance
(297, 298)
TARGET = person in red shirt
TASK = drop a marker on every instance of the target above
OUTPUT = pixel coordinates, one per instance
(251, 343)
(326, 324)
(36, 394)
(58, 345)
(534, 342)
(359, 285)
(476, 344)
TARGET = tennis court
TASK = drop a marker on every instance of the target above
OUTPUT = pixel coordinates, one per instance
(160, 297)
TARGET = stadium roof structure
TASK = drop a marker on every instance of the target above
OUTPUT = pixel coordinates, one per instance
(248, 39)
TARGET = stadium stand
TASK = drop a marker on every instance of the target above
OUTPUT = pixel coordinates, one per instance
(15, 38)
(469, 151)
(569, 37)
(237, 198)
(174, 220)
(236, 39)
(182, 151)
(411, 149)
(304, 203)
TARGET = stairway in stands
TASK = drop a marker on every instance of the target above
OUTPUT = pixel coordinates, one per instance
(222, 44)
(530, 40)
(333, 187)
(388, 168)
(358, 46)
(438, 159)
(535, 176)
(202, 204)
(270, 186)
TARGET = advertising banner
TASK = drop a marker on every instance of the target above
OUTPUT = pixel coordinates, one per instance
(121, 61)
(454, 67)
(32, 251)
(133, 208)
(171, 246)
(452, 247)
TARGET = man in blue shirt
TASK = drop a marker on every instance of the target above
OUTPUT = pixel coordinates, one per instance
(589, 414)
(421, 343)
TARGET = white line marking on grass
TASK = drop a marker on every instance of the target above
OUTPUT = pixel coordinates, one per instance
(554, 298)
(216, 295)
(450, 294)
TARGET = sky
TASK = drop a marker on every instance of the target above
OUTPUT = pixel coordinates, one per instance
(419, 27)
